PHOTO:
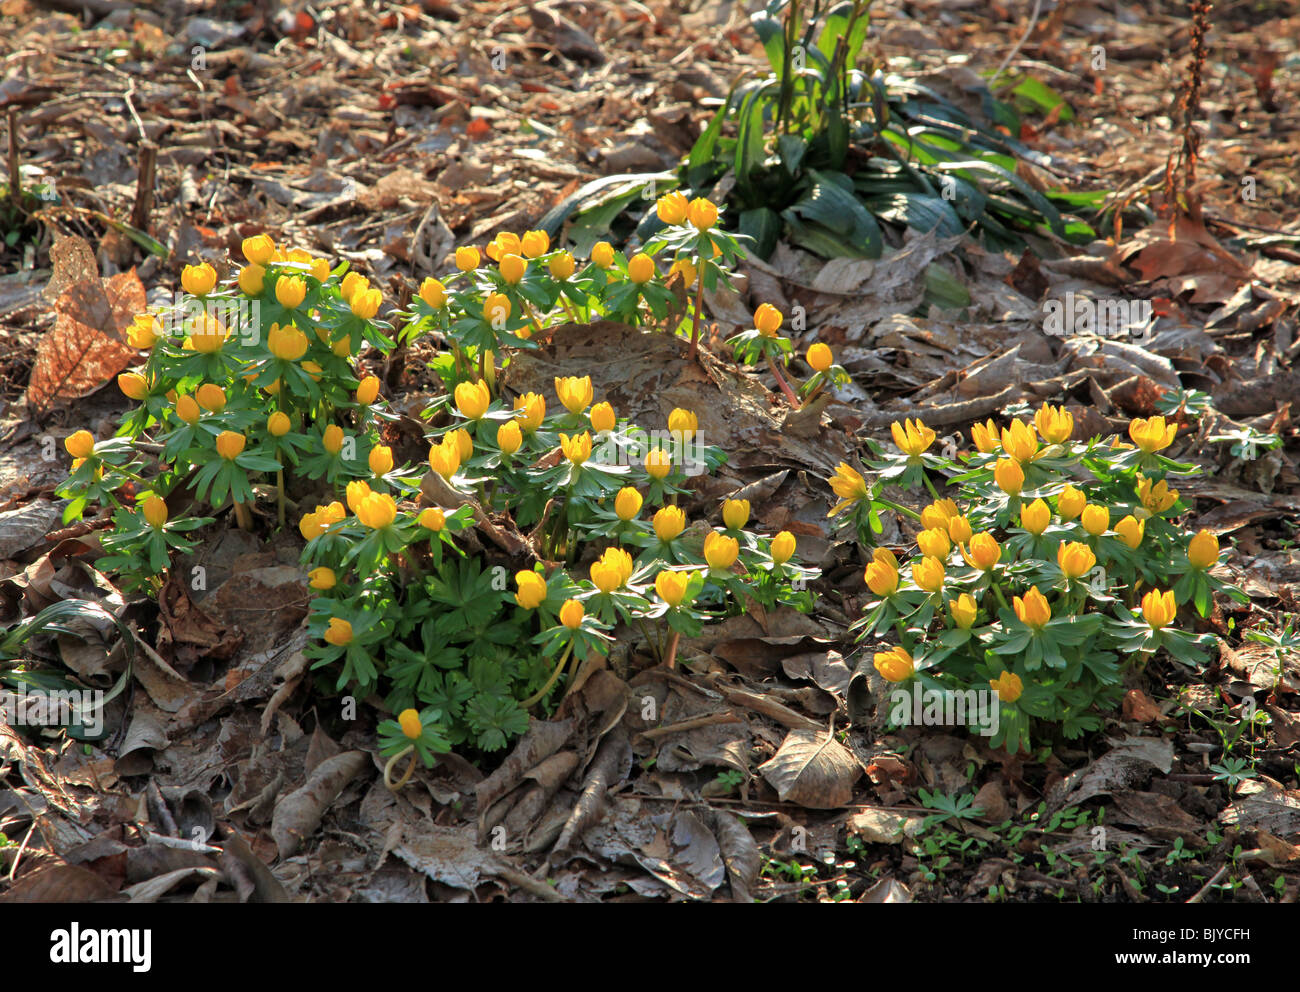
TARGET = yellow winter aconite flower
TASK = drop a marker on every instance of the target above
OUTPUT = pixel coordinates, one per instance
(1032, 610)
(934, 542)
(1095, 519)
(188, 410)
(782, 549)
(571, 614)
(985, 552)
(207, 334)
(577, 448)
(672, 207)
(1020, 442)
(1070, 503)
(912, 437)
(561, 266)
(463, 442)
(380, 459)
(133, 386)
(332, 440)
(1008, 686)
(535, 243)
(959, 530)
(467, 258)
(928, 573)
(938, 513)
(259, 249)
(720, 551)
(849, 486)
(658, 463)
(1159, 608)
(356, 491)
(432, 518)
(230, 444)
(985, 437)
(339, 633)
(1035, 517)
(575, 394)
(509, 437)
(602, 418)
(641, 268)
(377, 511)
(444, 459)
(767, 320)
(409, 721)
(685, 268)
(683, 422)
(1152, 435)
(669, 522)
(353, 283)
(1203, 550)
(963, 610)
(433, 292)
(671, 586)
(533, 409)
(1156, 498)
(322, 579)
(1075, 558)
(1130, 530)
(627, 504)
(368, 390)
(1055, 424)
(894, 665)
(252, 280)
(532, 590)
(198, 280)
(290, 291)
(320, 269)
(366, 304)
(1009, 476)
(155, 511)
(512, 269)
(142, 333)
(611, 569)
(286, 343)
(473, 399)
(278, 424)
(735, 513)
(820, 357)
(702, 213)
(211, 397)
(505, 243)
(602, 254)
(881, 574)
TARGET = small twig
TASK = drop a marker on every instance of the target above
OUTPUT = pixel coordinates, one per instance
(1207, 886)
(144, 187)
(693, 723)
(1033, 19)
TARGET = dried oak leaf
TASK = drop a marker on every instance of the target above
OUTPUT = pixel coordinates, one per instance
(87, 346)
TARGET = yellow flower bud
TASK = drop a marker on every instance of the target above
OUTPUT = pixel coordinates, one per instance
(252, 279)
(641, 268)
(230, 444)
(782, 549)
(671, 586)
(684, 268)
(602, 254)
(1152, 435)
(433, 519)
(963, 610)
(571, 614)
(985, 437)
(207, 334)
(561, 266)
(672, 208)
(767, 320)
(847, 483)
(894, 665)
(1009, 476)
(683, 422)
(377, 511)
(532, 409)
(1130, 530)
(535, 243)
(497, 309)
(959, 530)
(322, 579)
(702, 213)
(433, 292)
(380, 459)
(532, 590)
(366, 304)
(1070, 503)
(368, 390)
(444, 458)
(602, 418)
(320, 269)
(509, 437)
(467, 258)
(658, 463)
(1008, 686)
(578, 448)
(1020, 442)
(409, 721)
(1095, 519)
(735, 513)
(575, 394)
(133, 386)
(188, 410)
(627, 504)
(198, 280)
(356, 490)
(1035, 517)
(143, 333)
(1055, 424)
(1159, 608)
(211, 397)
(934, 542)
(720, 551)
(505, 243)
(259, 249)
(332, 440)
(290, 291)
(1203, 550)
(473, 399)
(1075, 558)
(512, 269)
(820, 357)
(339, 633)
(881, 575)
(1032, 610)
(155, 511)
(985, 552)
(928, 573)
(611, 570)
(669, 522)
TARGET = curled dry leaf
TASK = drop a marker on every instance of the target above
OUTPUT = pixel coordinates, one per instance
(298, 814)
(812, 769)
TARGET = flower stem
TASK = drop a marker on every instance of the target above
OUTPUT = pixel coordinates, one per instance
(242, 517)
(410, 769)
(906, 511)
(540, 694)
(279, 494)
(929, 485)
(671, 660)
(699, 311)
(790, 397)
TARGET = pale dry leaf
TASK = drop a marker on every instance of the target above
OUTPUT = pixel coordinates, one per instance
(812, 769)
